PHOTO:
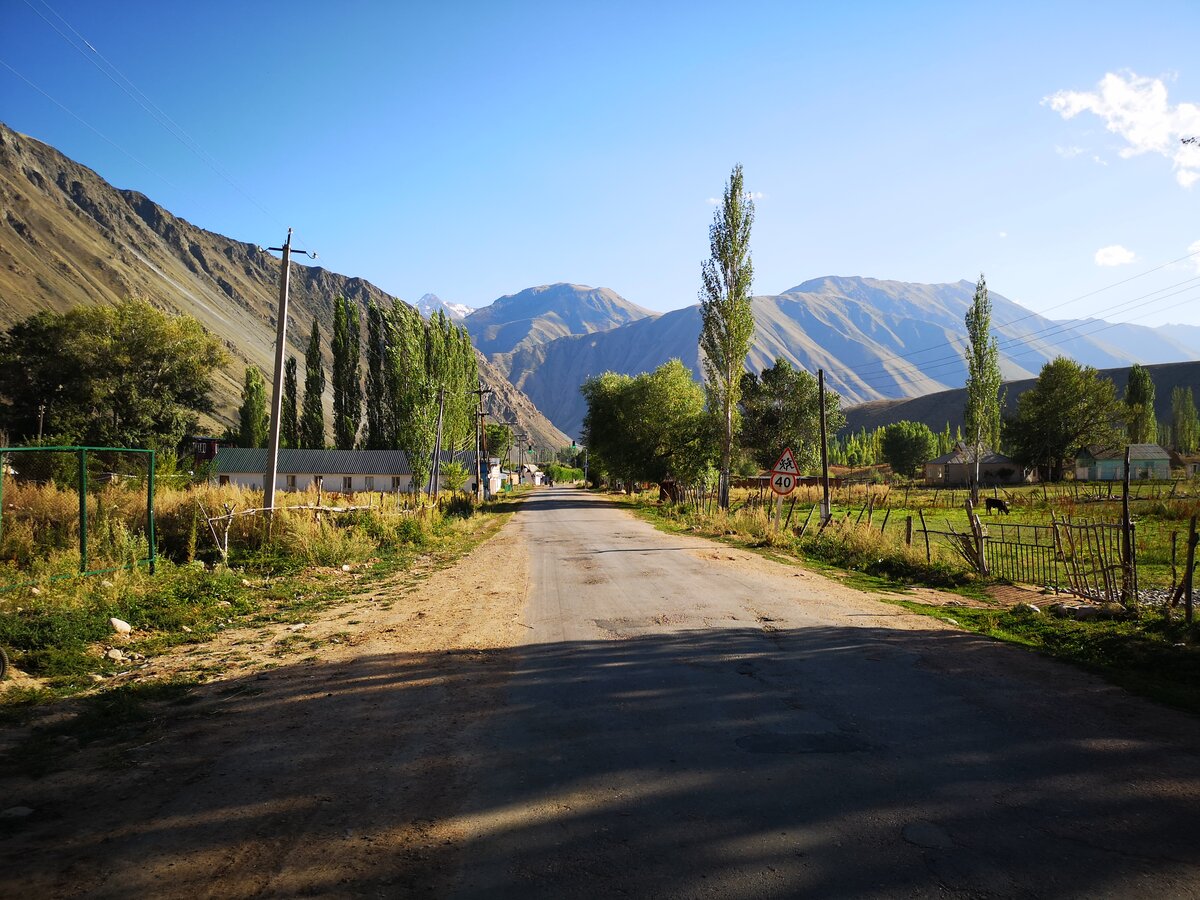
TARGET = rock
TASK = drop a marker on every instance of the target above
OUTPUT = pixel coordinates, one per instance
(95, 678)
(120, 626)
(106, 583)
(1059, 609)
(1085, 613)
(1112, 610)
(16, 812)
(185, 629)
(299, 626)
(36, 591)
(115, 654)
(1026, 609)
(224, 603)
(954, 603)
(245, 583)
(345, 568)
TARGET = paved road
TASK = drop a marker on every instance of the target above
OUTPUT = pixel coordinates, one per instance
(684, 721)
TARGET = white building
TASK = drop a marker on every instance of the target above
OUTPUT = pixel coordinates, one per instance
(338, 471)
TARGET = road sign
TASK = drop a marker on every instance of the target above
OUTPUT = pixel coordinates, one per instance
(784, 472)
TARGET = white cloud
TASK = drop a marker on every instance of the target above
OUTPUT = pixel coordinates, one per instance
(1136, 108)
(1068, 152)
(1114, 255)
(1004, 234)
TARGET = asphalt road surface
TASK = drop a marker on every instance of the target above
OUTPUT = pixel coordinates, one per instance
(685, 720)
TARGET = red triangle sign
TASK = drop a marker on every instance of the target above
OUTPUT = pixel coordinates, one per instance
(786, 464)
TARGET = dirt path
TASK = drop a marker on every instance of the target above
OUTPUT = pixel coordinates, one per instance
(310, 772)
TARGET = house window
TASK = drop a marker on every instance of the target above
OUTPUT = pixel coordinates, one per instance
(347, 483)
(369, 483)
(395, 482)
(224, 479)
(291, 482)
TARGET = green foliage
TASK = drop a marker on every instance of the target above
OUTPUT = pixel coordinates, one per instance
(347, 388)
(499, 439)
(289, 415)
(781, 408)
(1185, 424)
(727, 319)
(559, 474)
(1070, 407)
(252, 414)
(982, 413)
(1140, 424)
(454, 475)
(312, 418)
(907, 446)
(122, 376)
(650, 427)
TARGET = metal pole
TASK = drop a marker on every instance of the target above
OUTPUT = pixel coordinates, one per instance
(277, 390)
(435, 473)
(2, 472)
(150, 514)
(825, 511)
(83, 511)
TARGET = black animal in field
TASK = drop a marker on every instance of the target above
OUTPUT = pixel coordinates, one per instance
(995, 504)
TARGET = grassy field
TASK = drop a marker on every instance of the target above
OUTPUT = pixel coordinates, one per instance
(55, 623)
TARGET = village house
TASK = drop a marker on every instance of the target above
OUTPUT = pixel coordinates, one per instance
(957, 469)
(1187, 463)
(1146, 461)
(339, 471)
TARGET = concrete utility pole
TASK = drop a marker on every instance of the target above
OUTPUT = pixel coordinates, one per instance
(277, 392)
(480, 443)
(825, 511)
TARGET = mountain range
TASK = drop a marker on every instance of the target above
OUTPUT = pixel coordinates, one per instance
(69, 238)
(431, 304)
(875, 339)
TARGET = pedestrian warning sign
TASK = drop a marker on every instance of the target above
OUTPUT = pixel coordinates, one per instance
(784, 472)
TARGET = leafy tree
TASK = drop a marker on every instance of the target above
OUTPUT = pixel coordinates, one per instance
(454, 475)
(907, 446)
(289, 415)
(1140, 423)
(652, 427)
(378, 427)
(1069, 407)
(347, 388)
(1185, 423)
(982, 413)
(727, 319)
(499, 439)
(312, 417)
(127, 375)
(253, 424)
(781, 408)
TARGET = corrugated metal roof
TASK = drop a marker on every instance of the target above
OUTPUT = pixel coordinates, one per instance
(230, 460)
(962, 455)
(1136, 451)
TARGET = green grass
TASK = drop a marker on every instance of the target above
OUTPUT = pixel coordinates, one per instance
(1149, 655)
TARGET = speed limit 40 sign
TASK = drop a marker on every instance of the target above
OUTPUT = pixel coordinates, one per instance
(783, 473)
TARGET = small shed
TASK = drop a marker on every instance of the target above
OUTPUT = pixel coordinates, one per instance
(1188, 462)
(957, 468)
(1146, 461)
(341, 471)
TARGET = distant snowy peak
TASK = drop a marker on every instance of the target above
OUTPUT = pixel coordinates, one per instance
(431, 303)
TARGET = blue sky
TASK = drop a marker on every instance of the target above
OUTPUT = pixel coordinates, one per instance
(475, 149)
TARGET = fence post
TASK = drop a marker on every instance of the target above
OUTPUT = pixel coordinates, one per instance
(1189, 572)
(1, 495)
(83, 510)
(150, 514)
(1128, 595)
(925, 531)
(980, 539)
(908, 532)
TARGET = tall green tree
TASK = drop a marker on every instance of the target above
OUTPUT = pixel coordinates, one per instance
(982, 414)
(1069, 407)
(907, 446)
(781, 408)
(347, 386)
(289, 415)
(377, 430)
(727, 319)
(499, 440)
(127, 375)
(1140, 423)
(253, 422)
(312, 416)
(1185, 423)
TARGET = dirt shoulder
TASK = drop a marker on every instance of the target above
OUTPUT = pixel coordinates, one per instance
(317, 761)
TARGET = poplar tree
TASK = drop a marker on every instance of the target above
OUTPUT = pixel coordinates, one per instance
(727, 320)
(289, 415)
(347, 388)
(252, 414)
(1185, 423)
(1140, 424)
(312, 418)
(376, 436)
(982, 413)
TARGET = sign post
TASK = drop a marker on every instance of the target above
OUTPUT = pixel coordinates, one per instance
(783, 481)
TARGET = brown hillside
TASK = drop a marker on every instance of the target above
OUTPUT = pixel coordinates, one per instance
(69, 238)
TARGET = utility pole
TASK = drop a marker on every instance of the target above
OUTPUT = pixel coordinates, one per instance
(277, 390)
(825, 513)
(480, 443)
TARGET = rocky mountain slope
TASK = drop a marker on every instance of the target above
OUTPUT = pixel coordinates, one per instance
(69, 238)
(432, 303)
